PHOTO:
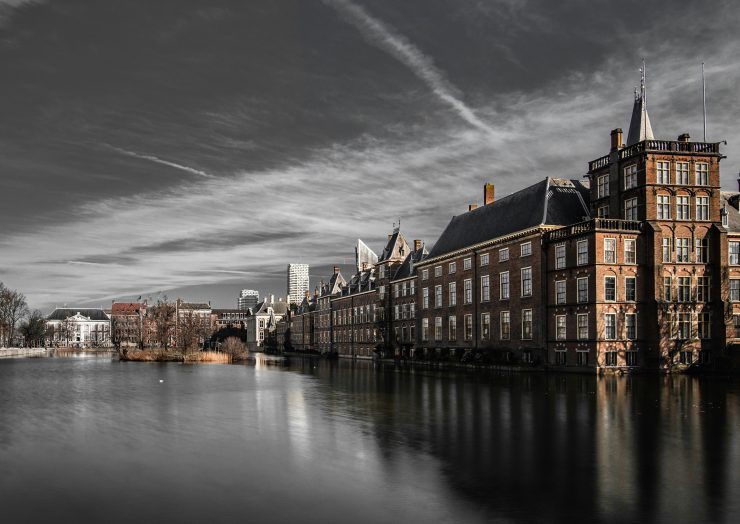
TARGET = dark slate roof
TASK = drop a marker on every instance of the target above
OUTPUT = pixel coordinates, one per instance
(65, 313)
(193, 305)
(552, 201)
(731, 203)
(640, 128)
(280, 308)
(407, 268)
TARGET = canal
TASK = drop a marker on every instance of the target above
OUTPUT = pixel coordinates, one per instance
(95, 440)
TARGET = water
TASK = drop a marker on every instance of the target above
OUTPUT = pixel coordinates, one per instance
(94, 440)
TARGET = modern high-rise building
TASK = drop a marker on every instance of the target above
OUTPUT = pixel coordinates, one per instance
(297, 282)
(248, 298)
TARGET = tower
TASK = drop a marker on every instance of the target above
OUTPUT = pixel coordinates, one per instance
(297, 282)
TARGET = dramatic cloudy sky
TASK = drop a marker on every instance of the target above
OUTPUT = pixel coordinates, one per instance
(197, 147)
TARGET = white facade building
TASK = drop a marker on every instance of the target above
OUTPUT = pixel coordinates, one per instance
(78, 327)
(297, 282)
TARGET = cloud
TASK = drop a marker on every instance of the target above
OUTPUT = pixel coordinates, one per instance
(157, 160)
(381, 35)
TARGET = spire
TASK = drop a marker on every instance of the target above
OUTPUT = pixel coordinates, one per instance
(640, 128)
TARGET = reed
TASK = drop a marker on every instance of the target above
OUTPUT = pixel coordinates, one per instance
(208, 356)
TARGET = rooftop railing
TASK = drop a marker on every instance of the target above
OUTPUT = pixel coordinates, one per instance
(670, 146)
(609, 224)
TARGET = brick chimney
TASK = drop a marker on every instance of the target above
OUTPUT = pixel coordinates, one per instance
(336, 269)
(684, 137)
(364, 266)
(472, 206)
(417, 243)
(488, 194)
(616, 139)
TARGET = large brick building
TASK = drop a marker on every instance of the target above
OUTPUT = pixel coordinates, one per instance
(635, 266)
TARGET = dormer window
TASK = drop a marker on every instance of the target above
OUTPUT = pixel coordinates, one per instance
(724, 216)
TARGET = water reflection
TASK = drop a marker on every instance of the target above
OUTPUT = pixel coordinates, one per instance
(558, 448)
(103, 441)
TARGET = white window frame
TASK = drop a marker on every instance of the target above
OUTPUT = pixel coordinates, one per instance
(582, 255)
(560, 255)
(525, 249)
(560, 292)
(526, 290)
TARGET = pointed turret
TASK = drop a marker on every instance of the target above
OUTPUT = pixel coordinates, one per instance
(640, 128)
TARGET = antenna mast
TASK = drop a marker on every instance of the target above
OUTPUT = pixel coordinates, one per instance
(704, 100)
(643, 93)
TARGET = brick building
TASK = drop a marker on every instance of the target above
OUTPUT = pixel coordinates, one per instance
(323, 319)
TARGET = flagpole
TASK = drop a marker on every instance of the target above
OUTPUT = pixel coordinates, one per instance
(704, 100)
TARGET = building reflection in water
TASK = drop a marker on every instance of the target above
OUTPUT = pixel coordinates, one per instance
(533, 447)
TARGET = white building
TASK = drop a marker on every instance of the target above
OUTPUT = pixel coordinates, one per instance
(262, 321)
(78, 327)
(297, 282)
(248, 298)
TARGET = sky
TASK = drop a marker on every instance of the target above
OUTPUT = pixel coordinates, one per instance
(196, 147)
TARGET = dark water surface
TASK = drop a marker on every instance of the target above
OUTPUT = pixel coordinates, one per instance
(94, 440)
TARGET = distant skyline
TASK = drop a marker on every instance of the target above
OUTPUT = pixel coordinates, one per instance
(196, 148)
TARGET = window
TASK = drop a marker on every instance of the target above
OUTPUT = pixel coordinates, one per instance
(526, 324)
(602, 212)
(630, 289)
(725, 218)
(526, 281)
(734, 253)
(452, 328)
(686, 357)
(452, 268)
(438, 328)
(503, 285)
(702, 250)
(582, 358)
(684, 289)
(682, 208)
(425, 298)
(527, 356)
(630, 251)
(582, 284)
(525, 249)
(630, 176)
(702, 289)
(610, 358)
(663, 172)
(682, 173)
(452, 299)
(666, 249)
(485, 326)
(438, 271)
(630, 326)
(610, 326)
(610, 288)
(560, 256)
(425, 274)
(602, 186)
(610, 250)
(664, 207)
(560, 358)
(631, 357)
(560, 328)
(682, 250)
(684, 326)
(424, 329)
(484, 259)
(395, 290)
(736, 325)
(630, 209)
(468, 327)
(438, 296)
(667, 288)
(468, 291)
(505, 325)
(396, 315)
(702, 174)
(381, 272)
(485, 288)
(582, 319)
(735, 290)
(467, 263)
(704, 325)
(702, 208)
(582, 248)
(560, 292)
(503, 254)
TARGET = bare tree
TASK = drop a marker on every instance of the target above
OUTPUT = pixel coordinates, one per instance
(234, 346)
(163, 320)
(13, 307)
(34, 329)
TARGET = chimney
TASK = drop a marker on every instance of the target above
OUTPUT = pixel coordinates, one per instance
(272, 299)
(364, 266)
(738, 181)
(684, 137)
(417, 243)
(488, 194)
(336, 269)
(616, 139)
(472, 206)
(389, 238)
